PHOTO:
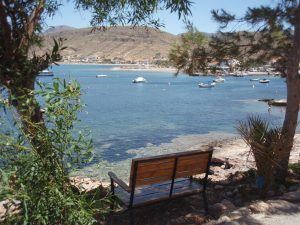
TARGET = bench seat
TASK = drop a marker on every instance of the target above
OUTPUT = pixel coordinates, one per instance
(150, 194)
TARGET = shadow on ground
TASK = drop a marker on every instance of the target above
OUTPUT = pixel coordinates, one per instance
(190, 210)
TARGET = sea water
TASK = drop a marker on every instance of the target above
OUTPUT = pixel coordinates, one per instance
(166, 114)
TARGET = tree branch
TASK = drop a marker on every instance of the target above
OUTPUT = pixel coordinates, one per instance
(32, 22)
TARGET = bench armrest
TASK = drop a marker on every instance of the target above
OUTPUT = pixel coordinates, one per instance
(118, 181)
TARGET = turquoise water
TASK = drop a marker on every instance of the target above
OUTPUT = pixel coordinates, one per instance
(124, 116)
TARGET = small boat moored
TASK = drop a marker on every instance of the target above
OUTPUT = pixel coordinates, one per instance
(279, 102)
(264, 81)
(204, 85)
(101, 75)
(219, 80)
(46, 73)
(254, 79)
(139, 80)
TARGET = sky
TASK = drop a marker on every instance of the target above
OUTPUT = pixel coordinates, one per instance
(201, 15)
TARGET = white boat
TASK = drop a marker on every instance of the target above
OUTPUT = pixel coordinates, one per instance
(101, 75)
(139, 80)
(219, 80)
(264, 81)
(204, 85)
(254, 79)
(46, 73)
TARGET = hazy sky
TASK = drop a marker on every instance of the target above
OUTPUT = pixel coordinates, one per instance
(201, 14)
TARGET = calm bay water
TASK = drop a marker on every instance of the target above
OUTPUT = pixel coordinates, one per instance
(126, 117)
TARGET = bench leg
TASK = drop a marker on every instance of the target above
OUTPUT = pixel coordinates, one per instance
(205, 202)
(131, 217)
(112, 191)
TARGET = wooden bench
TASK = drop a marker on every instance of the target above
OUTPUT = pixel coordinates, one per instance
(164, 177)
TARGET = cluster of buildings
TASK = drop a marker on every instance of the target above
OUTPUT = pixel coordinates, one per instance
(116, 60)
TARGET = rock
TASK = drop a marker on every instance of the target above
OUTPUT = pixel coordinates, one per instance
(219, 187)
(271, 193)
(9, 208)
(195, 218)
(224, 219)
(291, 196)
(239, 213)
(85, 184)
(227, 164)
(217, 161)
(225, 182)
(294, 188)
(281, 189)
(259, 207)
(216, 169)
(188, 215)
(281, 206)
(228, 204)
(238, 177)
(229, 193)
(222, 207)
(235, 191)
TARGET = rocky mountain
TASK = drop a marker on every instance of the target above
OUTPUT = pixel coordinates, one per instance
(56, 29)
(116, 43)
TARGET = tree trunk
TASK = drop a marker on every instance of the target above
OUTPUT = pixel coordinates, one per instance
(34, 128)
(31, 117)
(292, 109)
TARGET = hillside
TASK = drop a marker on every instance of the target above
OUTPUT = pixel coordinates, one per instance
(117, 43)
(58, 29)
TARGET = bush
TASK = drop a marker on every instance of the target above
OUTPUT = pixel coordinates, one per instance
(263, 141)
(295, 167)
(40, 179)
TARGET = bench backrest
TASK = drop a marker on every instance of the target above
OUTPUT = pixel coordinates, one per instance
(151, 170)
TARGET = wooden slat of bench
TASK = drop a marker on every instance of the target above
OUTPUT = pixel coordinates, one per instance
(191, 165)
(152, 180)
(196, 165)
(157, 162)
(169, 156)
(154, 171)
(159, 169)
(162, 168)
(196, 160)
(193, 160)
(188, 173)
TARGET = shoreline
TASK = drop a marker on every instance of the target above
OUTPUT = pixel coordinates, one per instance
(151, 68)
(126, 67)
(226, 146)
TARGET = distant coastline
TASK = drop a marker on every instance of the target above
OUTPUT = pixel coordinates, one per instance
(154, 68)
(128, 67)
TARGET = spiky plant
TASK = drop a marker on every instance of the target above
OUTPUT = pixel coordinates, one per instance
(263, 141)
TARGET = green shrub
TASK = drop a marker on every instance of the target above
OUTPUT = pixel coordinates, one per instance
(39, 178)
(295, 167)
(263, 141)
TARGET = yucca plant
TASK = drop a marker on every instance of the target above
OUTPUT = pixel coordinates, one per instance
(263, 141)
